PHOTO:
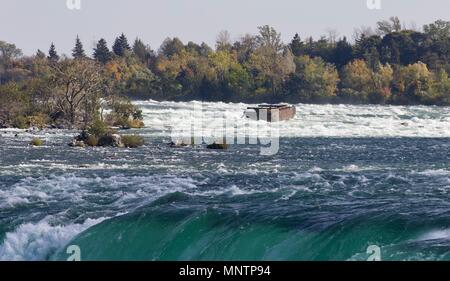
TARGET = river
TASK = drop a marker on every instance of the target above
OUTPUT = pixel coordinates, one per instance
(342, 179)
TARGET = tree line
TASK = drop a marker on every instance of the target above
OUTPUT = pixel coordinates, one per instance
(390, 64)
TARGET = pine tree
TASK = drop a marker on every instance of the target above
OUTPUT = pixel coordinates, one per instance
(121, 45)
(117, 48)
(124, 41)
(78, 51)
(342, 53)
(102, 52)
(140, 50)
(296, 45)
(52, 54)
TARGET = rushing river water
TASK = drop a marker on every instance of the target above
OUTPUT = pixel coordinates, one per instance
(344, 178)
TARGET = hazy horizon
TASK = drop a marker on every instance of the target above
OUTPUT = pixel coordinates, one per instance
(33, 25)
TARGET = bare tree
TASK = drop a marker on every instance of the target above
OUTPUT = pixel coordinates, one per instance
(333, 34)
(79, 85)
(246, 45)
(365, 31)
(223, 41)
(389, 26)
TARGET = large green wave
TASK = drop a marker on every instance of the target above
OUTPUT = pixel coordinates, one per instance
(175, 228)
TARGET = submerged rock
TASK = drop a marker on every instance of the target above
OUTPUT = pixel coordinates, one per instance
(218, 146)
(177, 144)
(77, 143)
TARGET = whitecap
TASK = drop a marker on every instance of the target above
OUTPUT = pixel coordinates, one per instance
(38, 241)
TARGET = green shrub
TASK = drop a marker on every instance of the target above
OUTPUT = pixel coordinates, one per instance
(37, 142)
(20, 122)
(132, 141)
(98, 128)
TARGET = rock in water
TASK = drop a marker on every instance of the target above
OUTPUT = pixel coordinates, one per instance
(77, 143)
(112, 140)
(218, 146)
(177, 144)
(83, 136)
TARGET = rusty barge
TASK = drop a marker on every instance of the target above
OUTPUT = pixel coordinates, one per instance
(271, 112)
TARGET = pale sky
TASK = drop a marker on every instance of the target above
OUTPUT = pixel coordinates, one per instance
(34, 24)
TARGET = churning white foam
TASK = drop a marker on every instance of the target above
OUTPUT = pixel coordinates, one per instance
(432, 173)
(310, 121)
(38, 241)
(435, 235)
(163, 118)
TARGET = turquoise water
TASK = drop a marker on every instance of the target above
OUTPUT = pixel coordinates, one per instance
(321, 197)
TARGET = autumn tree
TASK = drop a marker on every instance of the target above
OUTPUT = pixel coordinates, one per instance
(171, 47)
(14, 104)
(441, 87)
(271, 62)
(356, 82)
(314, 80)
(413, 84)
(361, 84)
(128, 76)
(383, 77)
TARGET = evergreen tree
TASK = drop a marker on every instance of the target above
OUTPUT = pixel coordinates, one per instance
(121, 45)
(124, 41)
(117, 48)
(296, 45)
(78, 51)
(52, 54)
(141, 51)
(342, 53)
(102, 52)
